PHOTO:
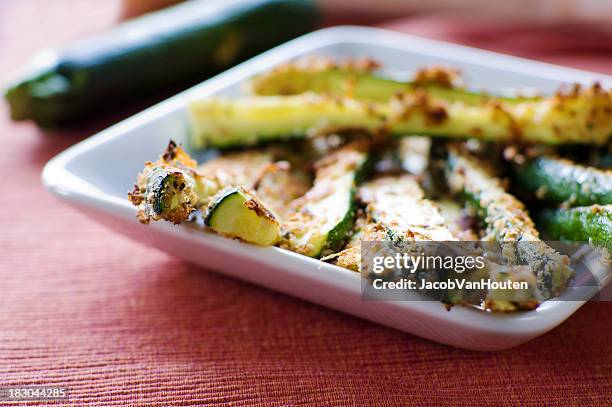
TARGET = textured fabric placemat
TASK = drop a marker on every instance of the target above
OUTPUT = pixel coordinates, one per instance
(122, 324)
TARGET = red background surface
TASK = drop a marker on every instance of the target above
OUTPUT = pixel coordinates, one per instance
(122, 324)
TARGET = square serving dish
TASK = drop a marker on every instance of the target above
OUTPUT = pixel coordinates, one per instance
(96, 174)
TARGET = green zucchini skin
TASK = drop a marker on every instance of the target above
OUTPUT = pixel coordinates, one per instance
(558, 180)
(173, 47)
(582, 224)
(162, 183)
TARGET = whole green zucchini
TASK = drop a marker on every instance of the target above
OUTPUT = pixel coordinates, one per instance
(172, 47)
(558, 180)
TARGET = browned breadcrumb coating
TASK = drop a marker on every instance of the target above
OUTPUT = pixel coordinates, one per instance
(256, 206)
(169, 173)
(438, 75)
(174, 186)
(318, 64)
(406, 104)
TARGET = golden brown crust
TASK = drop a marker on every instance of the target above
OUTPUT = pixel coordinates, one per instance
(256, 206)
(319, 64)
(175, 163)
(437, 75)
(406, 104)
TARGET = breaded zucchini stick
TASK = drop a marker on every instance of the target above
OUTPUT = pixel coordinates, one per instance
(322, 219)
(358, 79)
(506, 221)
(583, 116)
(395, 209)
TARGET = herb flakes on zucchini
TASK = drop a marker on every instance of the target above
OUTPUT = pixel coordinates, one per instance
(591, 224)
(506, 220)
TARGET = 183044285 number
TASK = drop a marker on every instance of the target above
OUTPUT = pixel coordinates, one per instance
(33, 393)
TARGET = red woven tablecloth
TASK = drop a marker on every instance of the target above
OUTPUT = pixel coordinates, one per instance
(122, 324)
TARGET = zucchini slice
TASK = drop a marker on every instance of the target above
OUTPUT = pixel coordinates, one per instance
(558, 180)
(323, 218)
(581, 117)
(235, 212)
(506, 220)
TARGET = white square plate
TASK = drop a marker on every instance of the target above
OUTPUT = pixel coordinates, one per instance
(96, 174)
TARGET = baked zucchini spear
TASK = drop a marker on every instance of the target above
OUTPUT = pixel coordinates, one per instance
(235, 212)
(558, 180)
(394, 209)
(323, 218)
(591, 224)
(358, 79)
(506, 221)
(583, 116)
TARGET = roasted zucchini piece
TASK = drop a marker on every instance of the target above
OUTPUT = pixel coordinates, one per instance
(235, 212)
(591, 224)
(323, 218)
(358, 79)
(506, 220)
(583, 117)
(225, 123)
(511, 300)
(398, 204)
(174, 186)
(558, 180)
(395, 208)
(170, 188)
